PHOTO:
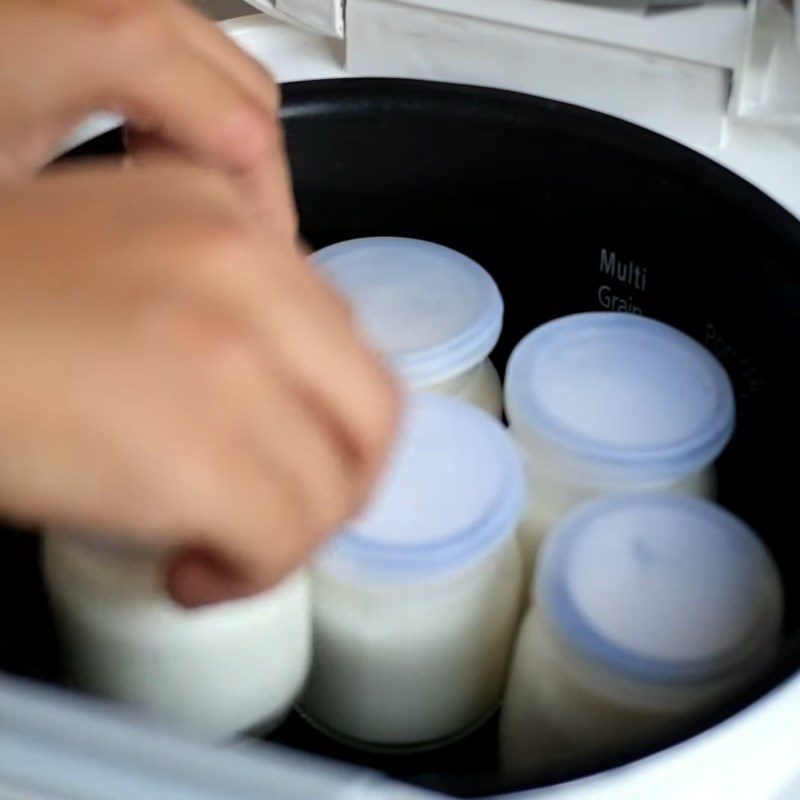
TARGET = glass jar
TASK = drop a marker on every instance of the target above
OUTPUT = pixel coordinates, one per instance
(605, 403)
(435, 314)
(648, 609)
(416, 603)
(216, 670)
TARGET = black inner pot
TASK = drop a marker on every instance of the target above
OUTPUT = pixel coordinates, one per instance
(546, 196)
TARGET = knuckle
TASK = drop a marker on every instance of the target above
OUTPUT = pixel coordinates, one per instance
(222, 347)
(228, 355)
(207, 340)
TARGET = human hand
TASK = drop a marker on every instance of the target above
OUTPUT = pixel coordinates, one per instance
(170, 372)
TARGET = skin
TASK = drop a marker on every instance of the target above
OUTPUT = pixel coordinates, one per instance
(172, 368)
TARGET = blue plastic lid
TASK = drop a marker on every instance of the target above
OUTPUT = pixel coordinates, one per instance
(619, 395)
(433, 312)
(452, 493)
(660, 588)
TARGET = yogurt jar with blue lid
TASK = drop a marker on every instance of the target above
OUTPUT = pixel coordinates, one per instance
(648, 608)
(416, 602)
(608, 402)
(435, 314)
(215, 671)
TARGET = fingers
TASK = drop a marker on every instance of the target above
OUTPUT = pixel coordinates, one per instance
(275, 436)
(293, 459)
(287, 485)
(305, 330)
(333, 369)
(312, 337)
(269, 183)
(173, 73)
(325, 428)
(217, 104)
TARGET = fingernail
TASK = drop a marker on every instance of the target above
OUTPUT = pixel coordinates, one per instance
(196, 579)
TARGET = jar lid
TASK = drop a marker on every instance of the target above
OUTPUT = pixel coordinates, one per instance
(452, 493)
(619, 396)
(433, 312)
(660, 588)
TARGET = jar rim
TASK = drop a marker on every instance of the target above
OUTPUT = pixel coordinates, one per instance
(436, 289)
(557, 586)
(452, 494)
(683, 379)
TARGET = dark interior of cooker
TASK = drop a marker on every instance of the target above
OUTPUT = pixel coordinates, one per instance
(555, 202)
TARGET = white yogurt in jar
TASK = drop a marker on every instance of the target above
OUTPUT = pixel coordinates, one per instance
(416, 603)
(648, 608)
(603, 403)
(215, 671)
(434, 313)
